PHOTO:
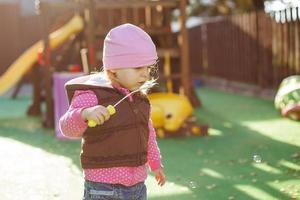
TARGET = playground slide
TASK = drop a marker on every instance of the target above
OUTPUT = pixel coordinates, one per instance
(20, 66)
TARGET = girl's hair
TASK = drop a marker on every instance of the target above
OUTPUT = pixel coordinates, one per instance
(149, 82)
(153, 72)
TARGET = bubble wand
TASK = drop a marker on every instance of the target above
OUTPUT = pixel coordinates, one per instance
(112, 108)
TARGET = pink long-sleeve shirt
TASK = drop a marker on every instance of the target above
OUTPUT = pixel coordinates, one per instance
(73, 126)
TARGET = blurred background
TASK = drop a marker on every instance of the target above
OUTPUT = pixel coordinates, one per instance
(226, 111)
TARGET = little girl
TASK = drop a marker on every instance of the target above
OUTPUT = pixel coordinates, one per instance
(116, 152)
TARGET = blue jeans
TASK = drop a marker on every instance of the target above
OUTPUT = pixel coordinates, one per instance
(105, 191)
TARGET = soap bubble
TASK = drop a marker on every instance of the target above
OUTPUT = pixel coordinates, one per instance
(192, 184)
(257, 158)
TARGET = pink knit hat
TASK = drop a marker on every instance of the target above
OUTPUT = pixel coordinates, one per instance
(128, 46)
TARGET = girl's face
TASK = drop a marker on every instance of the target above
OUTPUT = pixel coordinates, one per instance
(131, 78)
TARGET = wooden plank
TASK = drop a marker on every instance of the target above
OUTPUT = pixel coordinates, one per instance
(10, 35)
(254, 54)
(219, 32)
(231, 32)
(268, 36)
(291, 58)
(184, 60)
(101, 32)
(209, 37)
(117, 4)
(207, 64)
(35, 108)
(291, 41)
(168, 37)
(248, 42)
(297, 47)
(62, 6)
(233, 49)
(210, 48)
(148, 18)
(245, 49)
(123, 15)
(285, 46)
(240, 61)
(47, 69)
(260, 31)
(266, 41)
(90, 36)
(110, 20)
(281, 50)
(195, 50)
(135, 15)
(275, 50)
(174, 52)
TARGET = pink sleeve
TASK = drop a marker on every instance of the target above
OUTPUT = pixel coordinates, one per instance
(71, 124)
(153, 150)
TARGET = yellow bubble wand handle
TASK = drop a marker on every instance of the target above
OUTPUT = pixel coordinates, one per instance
(111, 110)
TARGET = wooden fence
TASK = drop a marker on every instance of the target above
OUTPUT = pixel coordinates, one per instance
(286, 43)
(17, 34)
(255, 48)
(9, 36)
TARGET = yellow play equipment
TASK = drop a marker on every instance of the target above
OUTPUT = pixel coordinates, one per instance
(169, 110)
(24, 63)
(171, 113)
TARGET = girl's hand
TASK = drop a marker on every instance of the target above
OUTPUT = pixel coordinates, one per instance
(97, 113)
(160, 176)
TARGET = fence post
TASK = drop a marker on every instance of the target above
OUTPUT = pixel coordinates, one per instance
(184, 58)
(264, 44)
(47, 69)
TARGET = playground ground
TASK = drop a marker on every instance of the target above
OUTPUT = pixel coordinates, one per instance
(251, 153)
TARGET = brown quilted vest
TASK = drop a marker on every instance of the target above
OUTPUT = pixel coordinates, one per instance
(123, 139)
